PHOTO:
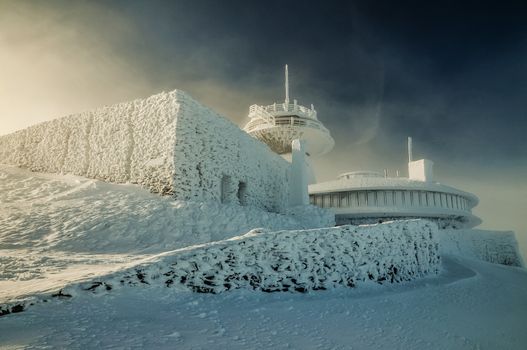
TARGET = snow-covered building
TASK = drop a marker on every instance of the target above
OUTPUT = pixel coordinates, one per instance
(294, 132)
(368, 197)
(168, 143)
(279, 124)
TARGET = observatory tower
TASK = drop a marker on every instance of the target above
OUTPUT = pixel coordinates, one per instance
(279, 124)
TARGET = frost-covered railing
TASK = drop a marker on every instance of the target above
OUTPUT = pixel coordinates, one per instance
(257, 111)
(260, 123)
(290, 107)
(284, 108)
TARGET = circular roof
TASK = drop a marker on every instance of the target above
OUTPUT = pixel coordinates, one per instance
(358, 183)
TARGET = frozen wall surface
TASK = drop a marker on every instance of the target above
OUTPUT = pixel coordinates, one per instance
(295, 261)
(499, 247)
(168, 143)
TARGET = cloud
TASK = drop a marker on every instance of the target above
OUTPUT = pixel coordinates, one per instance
(53, 65)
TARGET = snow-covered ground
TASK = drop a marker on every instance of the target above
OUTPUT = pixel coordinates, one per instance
(55, 230)
(471, 305)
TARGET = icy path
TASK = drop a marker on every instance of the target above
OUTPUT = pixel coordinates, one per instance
(472, 305)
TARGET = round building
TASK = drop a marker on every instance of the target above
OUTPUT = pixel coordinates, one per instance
(369, 197)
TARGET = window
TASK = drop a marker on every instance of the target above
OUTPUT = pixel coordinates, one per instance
(363, 199)
(335, 200)
(225, 188)
(399, 199)
(437, 199)
(372, 199)
(422, 199)
(389, 198)
(327, 201)
(344, 199)
(242, 193)
(354, 199)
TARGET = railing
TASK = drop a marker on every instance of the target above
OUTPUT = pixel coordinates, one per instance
(262, 113)
(257, 123)
(283, 107)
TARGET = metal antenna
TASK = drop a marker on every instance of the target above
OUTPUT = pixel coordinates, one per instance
(409, 149)
(286, 86)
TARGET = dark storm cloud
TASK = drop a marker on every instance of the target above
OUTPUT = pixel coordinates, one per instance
(453, 75)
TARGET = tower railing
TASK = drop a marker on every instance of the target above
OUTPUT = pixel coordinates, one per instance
(260, 122)
(290, 108)
(262, 113)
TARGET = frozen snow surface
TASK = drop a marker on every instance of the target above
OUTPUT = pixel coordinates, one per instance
(168, 143)
(499, 247)
(470, 305)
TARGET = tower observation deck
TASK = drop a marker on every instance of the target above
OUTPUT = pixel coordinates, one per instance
(279, 124)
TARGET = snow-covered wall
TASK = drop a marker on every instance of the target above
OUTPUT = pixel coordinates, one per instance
(168, 143)
(298, 261)
(499, 247)
(216, 160)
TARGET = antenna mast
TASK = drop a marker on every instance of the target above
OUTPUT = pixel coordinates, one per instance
(409, 149)
(286, 86)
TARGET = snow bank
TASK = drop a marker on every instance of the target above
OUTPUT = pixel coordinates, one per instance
(499, 247)
(298, 261)
(168, 143)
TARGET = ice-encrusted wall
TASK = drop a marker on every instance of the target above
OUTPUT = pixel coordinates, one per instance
(295, 261)
(499, 247)
(216, 160)
(128, 142)
(168, 143)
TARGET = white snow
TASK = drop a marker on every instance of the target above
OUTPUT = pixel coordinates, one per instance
(58, 230)
(499, 247)
(471, 305)
(168, 143)
(52, 222)
(295, 261)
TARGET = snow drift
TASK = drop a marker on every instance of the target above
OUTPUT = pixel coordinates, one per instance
(75, 214)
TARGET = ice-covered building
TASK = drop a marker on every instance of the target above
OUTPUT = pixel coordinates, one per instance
(173, 145)
(168, 143)
(279, 124)
(368, 196)
(294, 132)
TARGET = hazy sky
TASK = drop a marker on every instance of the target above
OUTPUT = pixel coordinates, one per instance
(453, 75)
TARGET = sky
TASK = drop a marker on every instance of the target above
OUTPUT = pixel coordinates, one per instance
(453, 75)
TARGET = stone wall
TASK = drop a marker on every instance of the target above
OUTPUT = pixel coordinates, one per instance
(498, 247)
(295, 261)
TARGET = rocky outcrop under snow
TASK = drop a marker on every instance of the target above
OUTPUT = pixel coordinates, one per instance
(498, 247)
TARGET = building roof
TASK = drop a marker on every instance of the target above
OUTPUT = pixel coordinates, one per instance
(390, 183)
